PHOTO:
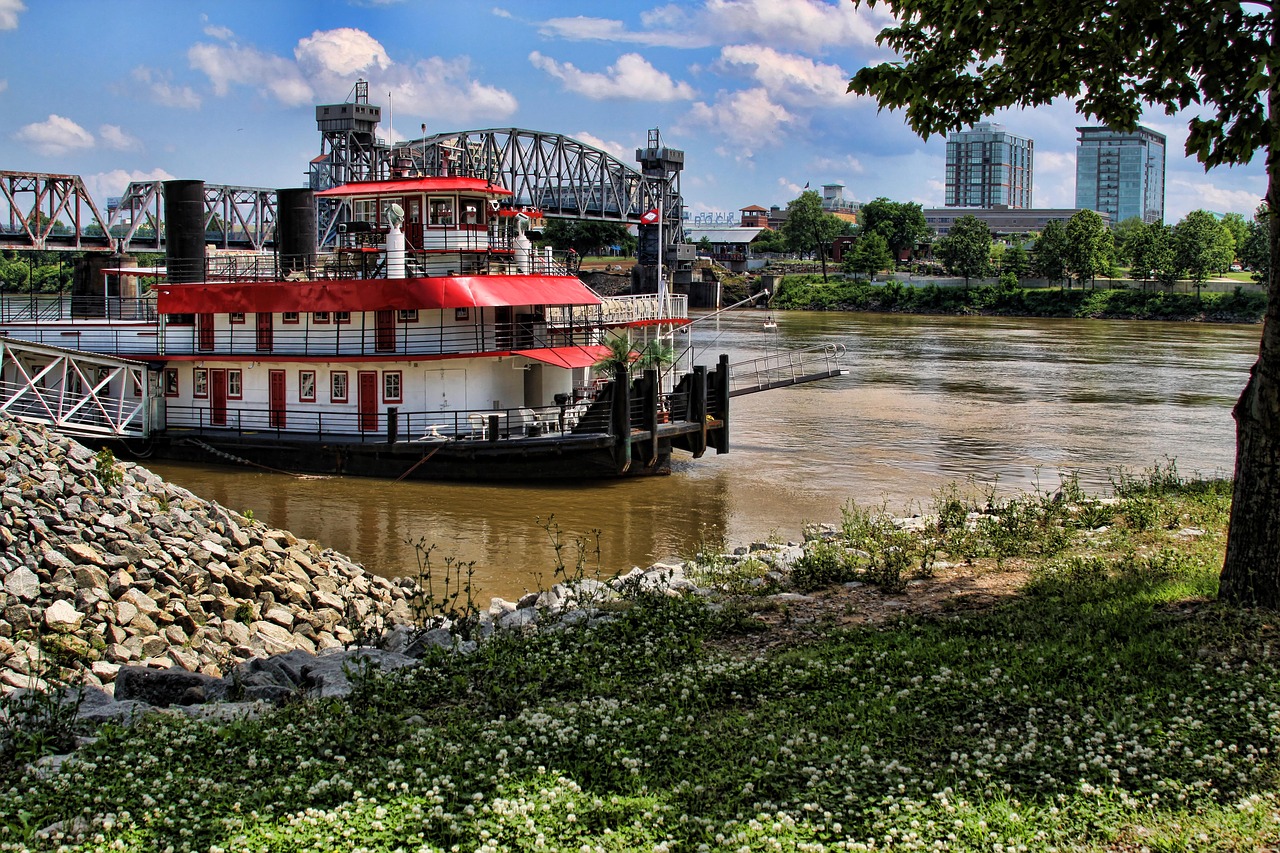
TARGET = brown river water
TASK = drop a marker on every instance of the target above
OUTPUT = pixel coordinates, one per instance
(983, 402)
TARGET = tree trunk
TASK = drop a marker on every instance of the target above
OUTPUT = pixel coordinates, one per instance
(1251, 570)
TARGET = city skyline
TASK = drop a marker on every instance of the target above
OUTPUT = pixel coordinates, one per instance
(752, 90)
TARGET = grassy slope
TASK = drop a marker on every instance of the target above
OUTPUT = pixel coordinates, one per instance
(1112, 706)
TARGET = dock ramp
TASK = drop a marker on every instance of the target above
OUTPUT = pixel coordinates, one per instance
(786, 367)
(80, 394)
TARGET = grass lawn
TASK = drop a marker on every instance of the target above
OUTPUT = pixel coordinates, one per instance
(1105, 703)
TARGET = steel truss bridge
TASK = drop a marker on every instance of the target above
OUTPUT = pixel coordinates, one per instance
(558, 174)
(49, 212)
(562, 176)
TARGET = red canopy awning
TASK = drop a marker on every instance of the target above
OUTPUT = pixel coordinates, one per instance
(274, 297)
(413, 185)
(583, 356)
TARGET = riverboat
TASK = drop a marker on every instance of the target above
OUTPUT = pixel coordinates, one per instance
(432, 341)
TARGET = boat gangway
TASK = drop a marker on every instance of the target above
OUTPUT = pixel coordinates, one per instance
(785, 367)
(80, 394)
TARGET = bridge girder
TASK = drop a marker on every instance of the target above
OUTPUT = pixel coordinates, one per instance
(39, 224)
(562, 176)
(236, 217)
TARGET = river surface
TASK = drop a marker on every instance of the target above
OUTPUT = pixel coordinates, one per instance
(983, 402)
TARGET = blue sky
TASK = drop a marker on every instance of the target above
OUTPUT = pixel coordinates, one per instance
(752, 90)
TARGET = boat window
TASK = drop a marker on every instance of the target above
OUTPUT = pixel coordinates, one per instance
(441, 212)
(391, 386)
(472, 211)
(320, 317)
(237, 317)
(235, 390)
(307, 386)
(342, 316)
(365, 210)
(171, 381)
(289, 317)
(200, 384)
(408, 315)
(338, 386)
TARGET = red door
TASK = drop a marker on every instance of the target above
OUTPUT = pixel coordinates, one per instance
(264, 333)
(277, 403)
(367, 399)
(204, 332)
(218, 397)
(386, 341)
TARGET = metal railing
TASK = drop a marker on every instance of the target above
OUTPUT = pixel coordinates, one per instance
(44, 307)
(786, 367)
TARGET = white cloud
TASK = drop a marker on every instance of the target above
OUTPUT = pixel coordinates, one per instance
(325, 62)
(343, 51)
(1183, 195)
(114, 136)
(791, 78)
(163, 91)
(56, 135)
(441, 90)
(748, 116)
(790, 188)
(9, 12)
(801, 24)
(246, 66)
(837, 167)
(623, 152)
(630, 78)
(4, 84)
(501, 13)
(582, 28)
(215, 31)
(805, 24)
(105, 184)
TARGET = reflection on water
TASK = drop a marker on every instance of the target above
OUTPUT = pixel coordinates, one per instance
(928, 400)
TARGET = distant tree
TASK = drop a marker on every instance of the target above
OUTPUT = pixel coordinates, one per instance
(1203, 246)
(902, 224)
(966, 250)
(1089, 246)
(704, 245)
(1256, 251)
(769, 240)
(1050, 258)
(809, 228)
(1015, 261)
(870, 255)
(1238, 227)
(1163, 255)
(584, 237)
(1125, 233)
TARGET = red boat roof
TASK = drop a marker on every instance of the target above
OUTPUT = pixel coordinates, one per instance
(274, 297)
(413, 185)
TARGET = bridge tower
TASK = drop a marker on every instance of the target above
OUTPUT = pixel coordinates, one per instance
(349, 151)
(661, 167)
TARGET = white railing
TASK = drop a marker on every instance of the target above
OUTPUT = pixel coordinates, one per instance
(786, 367)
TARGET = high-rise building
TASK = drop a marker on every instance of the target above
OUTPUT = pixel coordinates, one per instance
(989, 167)
(1121, 173)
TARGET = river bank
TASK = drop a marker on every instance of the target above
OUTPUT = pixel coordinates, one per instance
(1045, 671)
(810, 293)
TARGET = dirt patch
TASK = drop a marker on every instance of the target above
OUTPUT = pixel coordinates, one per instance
(792, 618)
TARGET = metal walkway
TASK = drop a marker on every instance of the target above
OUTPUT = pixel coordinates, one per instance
(78, 393)
(786, 367)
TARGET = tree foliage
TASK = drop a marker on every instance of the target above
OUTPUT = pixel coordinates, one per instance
(587, 238)
(870, 255)
(1050, 258)
(808, 227)
(1256, 251)
(902, 224)
(960, 61)
(1203, 246)
(1089, 246)
(966, 250)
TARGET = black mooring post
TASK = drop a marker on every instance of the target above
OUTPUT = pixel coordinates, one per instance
(720, 441)
(393, 424)
(621, 420)
(698, 409)
(650, 389)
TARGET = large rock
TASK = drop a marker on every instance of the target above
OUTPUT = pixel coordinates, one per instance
(62, 617)
(23, 583)
(165, 687)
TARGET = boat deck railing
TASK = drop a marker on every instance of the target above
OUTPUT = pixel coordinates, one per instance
(49, 307)
(786, 367)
